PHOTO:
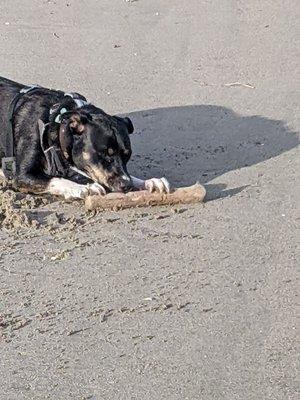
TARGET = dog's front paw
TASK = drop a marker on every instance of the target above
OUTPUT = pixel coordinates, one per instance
(72, 190)
(76, 192)
(82, 191)
(96, 188)
(160, 185)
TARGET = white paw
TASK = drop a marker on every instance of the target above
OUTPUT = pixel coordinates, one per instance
(160, 185)
(82, 191)
(78, 192)
(72, 190)
(96, 188)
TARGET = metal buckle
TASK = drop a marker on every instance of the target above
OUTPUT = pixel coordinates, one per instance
(9, 167)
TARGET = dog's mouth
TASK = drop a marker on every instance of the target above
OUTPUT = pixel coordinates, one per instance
(121, 184)
(112, 183)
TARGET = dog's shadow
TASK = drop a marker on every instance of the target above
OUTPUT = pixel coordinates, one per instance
(199, 143)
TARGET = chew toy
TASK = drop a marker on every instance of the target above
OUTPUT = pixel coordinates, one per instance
(143, 198)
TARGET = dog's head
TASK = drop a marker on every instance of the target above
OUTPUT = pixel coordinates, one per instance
(99, 145)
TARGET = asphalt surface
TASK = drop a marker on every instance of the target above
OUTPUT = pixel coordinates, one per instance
(191, 303)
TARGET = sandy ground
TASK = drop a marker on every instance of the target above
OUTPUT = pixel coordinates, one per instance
(196, 302)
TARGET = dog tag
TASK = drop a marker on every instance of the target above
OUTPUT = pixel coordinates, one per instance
(9, 167)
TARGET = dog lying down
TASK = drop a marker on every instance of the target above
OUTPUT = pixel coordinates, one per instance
(63, 145)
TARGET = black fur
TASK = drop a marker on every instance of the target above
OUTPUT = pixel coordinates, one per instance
(90, 139)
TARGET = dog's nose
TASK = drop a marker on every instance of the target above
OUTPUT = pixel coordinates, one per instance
(125, 186)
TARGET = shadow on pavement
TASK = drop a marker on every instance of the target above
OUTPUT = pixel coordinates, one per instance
(201, 142)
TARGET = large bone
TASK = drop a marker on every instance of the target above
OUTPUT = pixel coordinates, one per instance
(143, 198)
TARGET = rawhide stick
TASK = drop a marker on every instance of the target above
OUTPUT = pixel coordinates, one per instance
(143, 198)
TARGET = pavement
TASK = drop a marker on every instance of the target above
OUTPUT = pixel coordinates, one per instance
(194, 302)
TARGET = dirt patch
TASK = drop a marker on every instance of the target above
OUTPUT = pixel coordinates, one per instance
(17, 210)
(30, 212)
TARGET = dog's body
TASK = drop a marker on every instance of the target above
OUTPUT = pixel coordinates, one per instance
(91, 147)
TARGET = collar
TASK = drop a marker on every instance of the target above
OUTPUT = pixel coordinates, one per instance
(56, 165)
(79, 100)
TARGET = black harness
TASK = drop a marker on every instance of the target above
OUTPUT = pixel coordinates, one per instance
(56, 164)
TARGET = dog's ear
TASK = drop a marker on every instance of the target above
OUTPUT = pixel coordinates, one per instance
(129, 125)
(71, 124)
(66, 139)
(127, 122)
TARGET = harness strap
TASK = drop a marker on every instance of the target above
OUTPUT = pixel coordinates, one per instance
(55, 165)
(79, 100)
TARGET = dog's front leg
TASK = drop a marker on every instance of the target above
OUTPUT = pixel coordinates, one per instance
(72, 190)
(56, 186)
(160, 185)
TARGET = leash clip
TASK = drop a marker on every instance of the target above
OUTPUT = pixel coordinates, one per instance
(9, 167)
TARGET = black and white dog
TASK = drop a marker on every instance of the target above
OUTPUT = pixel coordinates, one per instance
(64, 145)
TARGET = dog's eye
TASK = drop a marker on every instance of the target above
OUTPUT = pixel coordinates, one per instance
(110, 151)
